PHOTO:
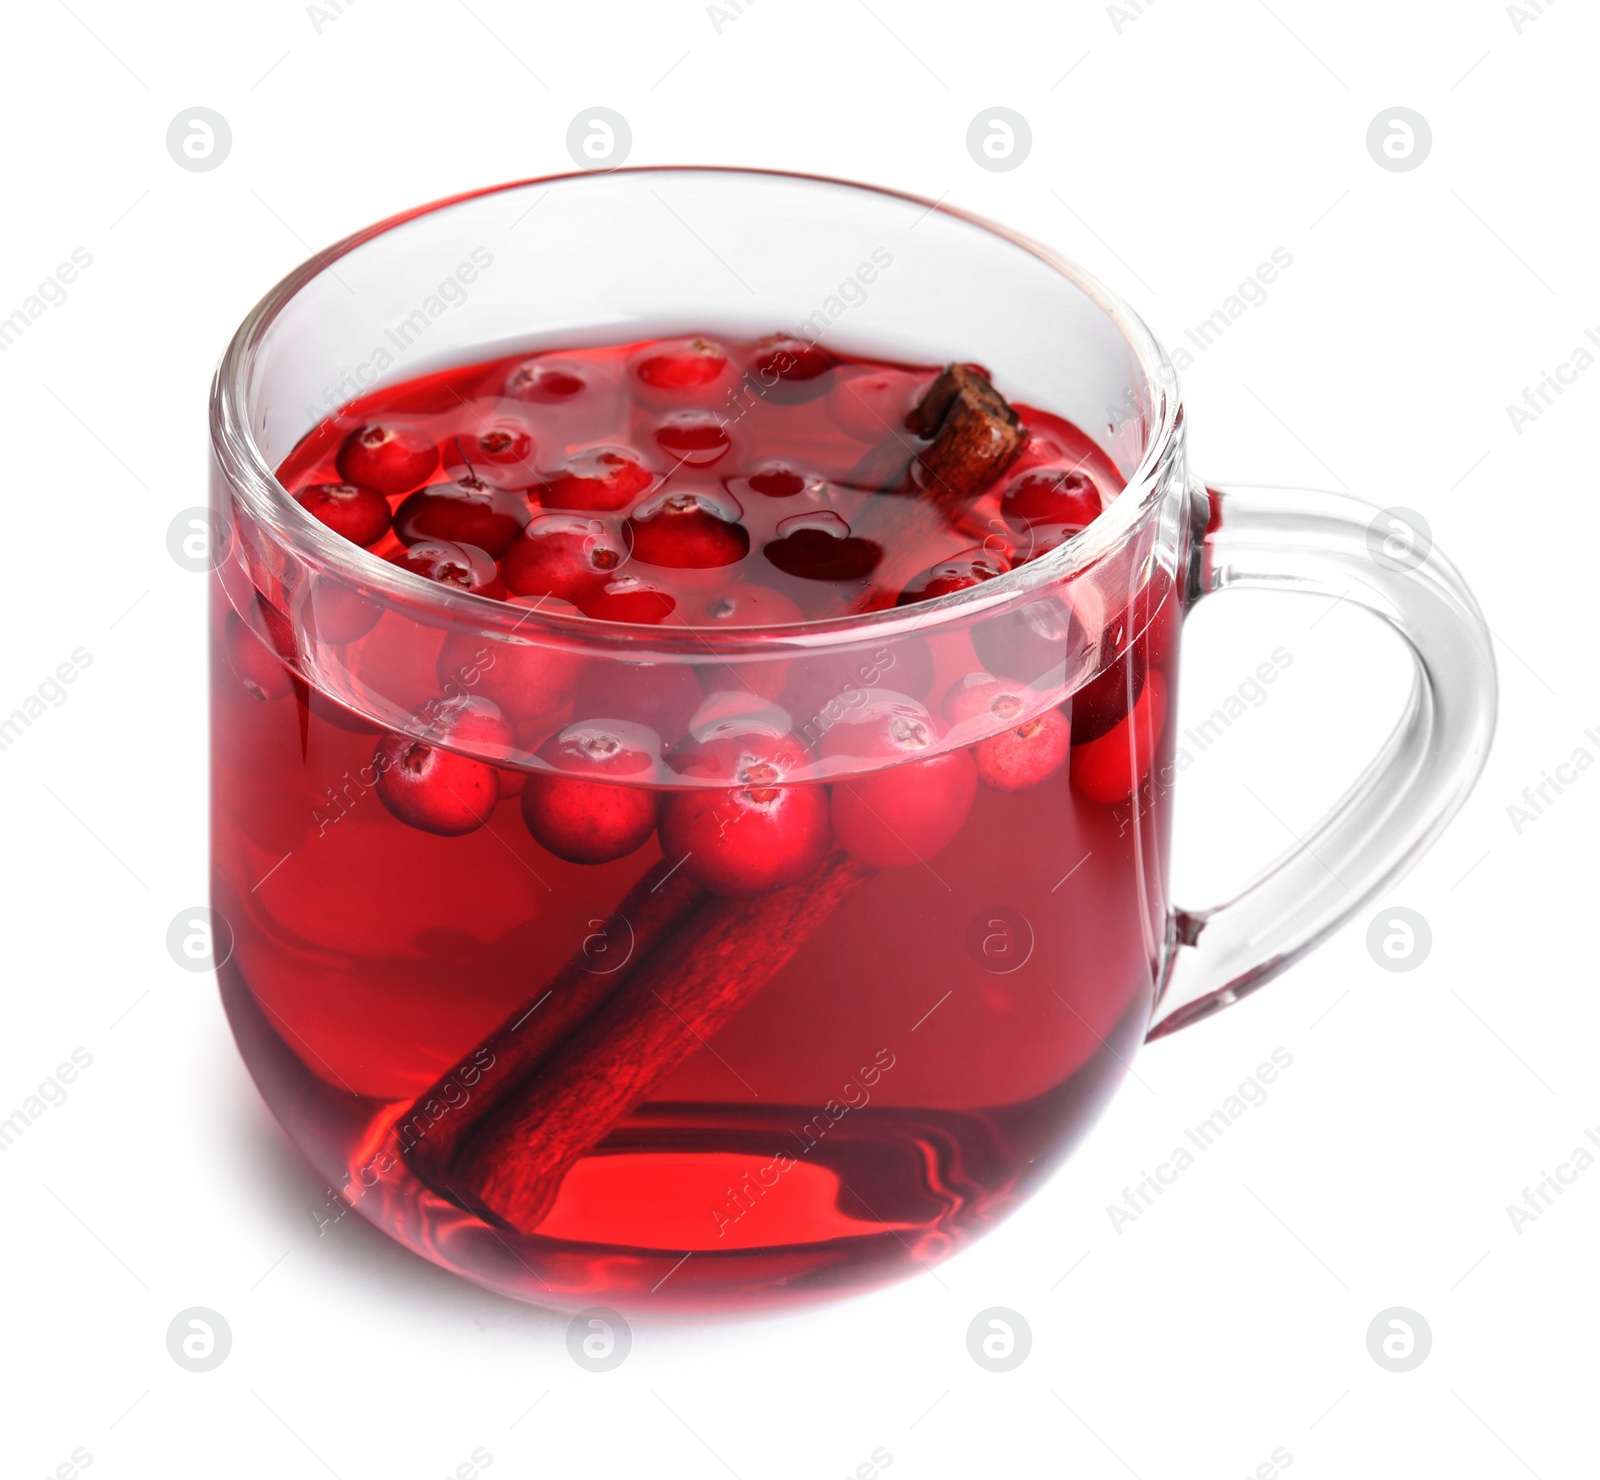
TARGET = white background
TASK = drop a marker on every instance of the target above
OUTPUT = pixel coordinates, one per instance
(1230, 1319)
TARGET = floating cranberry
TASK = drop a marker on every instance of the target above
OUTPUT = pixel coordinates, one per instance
(565, 555)
(546, 381)
(466, 512)
(628, 599)
(1051, 496)
(958, 573)
(596, 480)
(1108, 697)
(689, 531)
(819, 547)
(911, 811)
(360, 514)
(683, 364)
(694, 439)
(755, 834)
(500, 450)
(434, 789)
(389, 457)
(254, 664)
(578, 816)
(466, 567)
(526, 680)
(1108, 770)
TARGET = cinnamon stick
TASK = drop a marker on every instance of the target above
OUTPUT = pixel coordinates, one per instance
(661, 899)
(510, 1162)
(975, 436)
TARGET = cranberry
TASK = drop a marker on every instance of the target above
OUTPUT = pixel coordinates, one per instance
(254, 664)
(500, 451)
(819, 547)
(911, 811)
(466, 567)
(526, 680)
(689, 531)
(872, 404)
(1051, 496)
(1110, 769)
(788, 371)
(434, 789)
(1035, 644)
(596, 480)
(742, 605)
(958, 573)
(777, 480)
(628, 599)
(755, 834)
(466, 512)
(1021, 756)
(1106, 699)
(658, 698)
(360, 514)
(829, 687)
(694, 439)
(547, 381)
(563, 555)
(388, 457)
(586, 820)
(683, 364)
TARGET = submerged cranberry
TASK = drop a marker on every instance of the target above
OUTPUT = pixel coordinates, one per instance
(1108, 696)
(434, 789)
(689, 531)
(466, 567)
(1051, 496)
(582, 814)
(526, 679)
(958, 573)
(820, 547)
(360, 514)
(782, 357)
(744, 604)
(466, 512)
(872, 404)
(1108, 770)
(694, 439)
(911, 811)
(390, 457)
(628, 599)
(659, 698)
(753, 833)
(1024, 754)
(254, 664)
(545, 381)
(777, 480)
(682, 364)
(596, 480)
(565, 555)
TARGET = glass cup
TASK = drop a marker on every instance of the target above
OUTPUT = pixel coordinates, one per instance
(623, 1082)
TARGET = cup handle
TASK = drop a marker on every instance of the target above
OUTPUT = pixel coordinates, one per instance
(1337, 547)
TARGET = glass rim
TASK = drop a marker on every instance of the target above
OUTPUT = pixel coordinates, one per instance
(255, 481)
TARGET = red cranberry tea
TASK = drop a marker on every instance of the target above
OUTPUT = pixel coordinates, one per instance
(615, 951)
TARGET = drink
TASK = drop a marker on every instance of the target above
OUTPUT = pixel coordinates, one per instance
(807, 967)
